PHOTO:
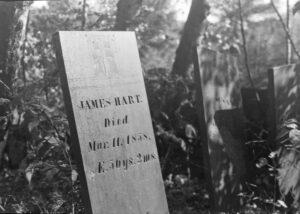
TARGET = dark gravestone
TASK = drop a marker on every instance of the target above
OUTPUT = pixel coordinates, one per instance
(285, 97)
(221, 127)
(284, 94)
(256, 112)
(110, 122)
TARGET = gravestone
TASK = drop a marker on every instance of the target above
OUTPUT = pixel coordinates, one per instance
(255, 112)
(110, 122)
(221, 127)
(284, 94)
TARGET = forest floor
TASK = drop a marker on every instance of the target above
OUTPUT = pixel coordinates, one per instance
(18, 196)
(188, 197)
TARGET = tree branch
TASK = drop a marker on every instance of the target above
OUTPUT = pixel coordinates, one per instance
(288, 58)
(83, 15)
(285, 29)
(245, 51)
(23, 66)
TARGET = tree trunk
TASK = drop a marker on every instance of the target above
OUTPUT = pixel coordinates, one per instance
(7, 11)
(189, 38)
(13, 17)
(126, 11)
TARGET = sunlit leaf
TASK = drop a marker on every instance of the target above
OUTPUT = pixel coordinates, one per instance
(282, 203)
(190, 131)
(261, 162)
(183, 145)
(74, 175)
(28, 174)
(16, 116)
(53, 140)
(294, 136)
(291, 123)
(272, 155)
(289, 173)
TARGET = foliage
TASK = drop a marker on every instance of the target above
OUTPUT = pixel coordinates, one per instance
(46, 178)
(279, 166)
(288, 161)
(42, 176)
(172, 105)
(296, 7)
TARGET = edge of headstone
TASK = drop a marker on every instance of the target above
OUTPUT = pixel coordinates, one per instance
(201, 128)
(272, 111)
(70, 115)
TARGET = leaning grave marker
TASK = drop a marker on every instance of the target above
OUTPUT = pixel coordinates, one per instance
(284, 94)
(221, 127)
(110, 121)
(284, 97)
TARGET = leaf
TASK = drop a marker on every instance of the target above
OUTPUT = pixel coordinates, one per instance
(296, 7)
(29, 173)
(190, 131)
(235, 50)
(57, 201)
(51, 110)
(273, 155)
(33, 124)
(74, 175)
(282, 135)
(54, 141)
(15, 116)
(51, 173)
(294, 136)
(181, 179)
(183, 145)
(44, 148)
(261, 162)
(282, 203)
(4, 101)
(289, 173)
(291, 123)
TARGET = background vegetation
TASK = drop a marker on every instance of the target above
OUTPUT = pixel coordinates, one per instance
(38, 170)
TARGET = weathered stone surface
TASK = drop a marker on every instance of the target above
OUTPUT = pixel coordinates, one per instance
(218, 93)
(110, 121)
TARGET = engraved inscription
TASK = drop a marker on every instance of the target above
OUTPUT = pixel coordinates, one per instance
(114, 142)
(109, 122)
(105, 166)
(110, 101)
(118, 141)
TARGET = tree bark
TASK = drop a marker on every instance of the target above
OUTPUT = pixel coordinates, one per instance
(126, 11)
(83, 21)
(13, 17)
(288, 44)
(7, 11)
(189, 38)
